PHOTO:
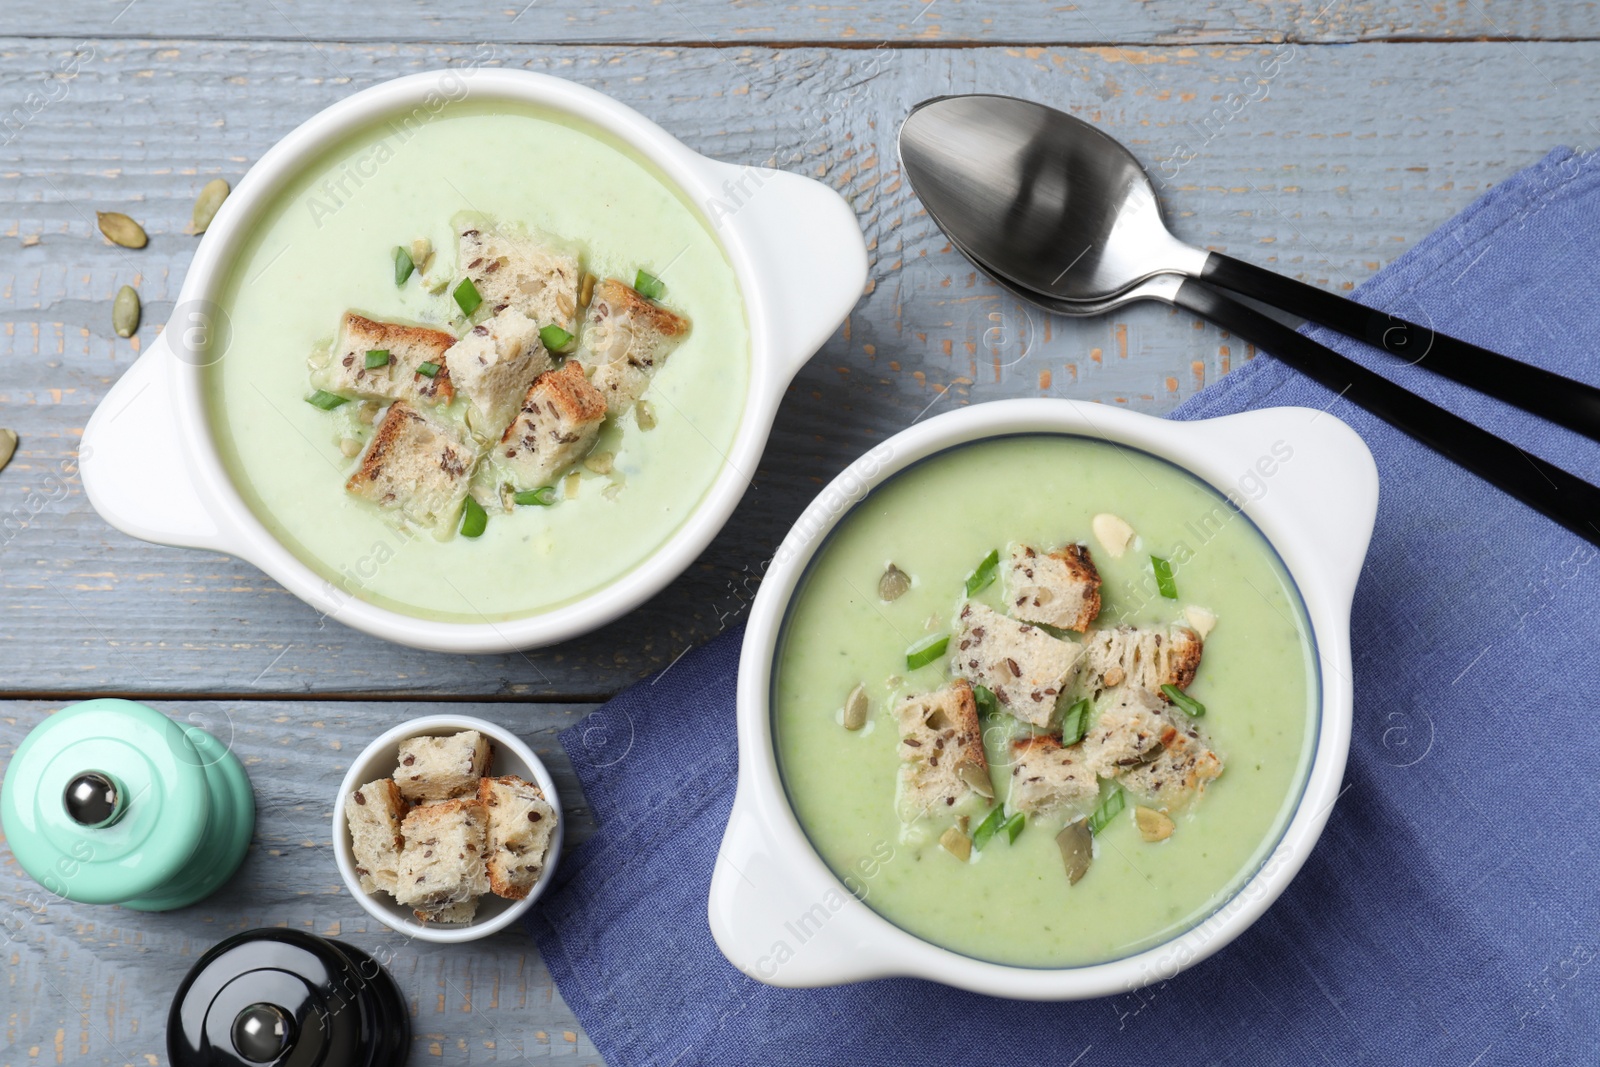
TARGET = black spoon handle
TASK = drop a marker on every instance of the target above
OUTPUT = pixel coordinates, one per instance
(1546, 488)
(1551, 396)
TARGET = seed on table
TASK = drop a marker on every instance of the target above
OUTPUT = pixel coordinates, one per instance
(121, 230)
(8, 447)
(206, 204)
(125, 312)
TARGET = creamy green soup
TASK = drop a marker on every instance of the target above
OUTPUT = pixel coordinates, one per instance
(936, 521)
(325, 245)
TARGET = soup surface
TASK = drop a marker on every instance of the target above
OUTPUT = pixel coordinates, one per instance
(324, 246)
(1011, 902)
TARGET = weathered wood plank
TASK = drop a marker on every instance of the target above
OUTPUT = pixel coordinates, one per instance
(855, 22)
(1326, 170)
(87, 984)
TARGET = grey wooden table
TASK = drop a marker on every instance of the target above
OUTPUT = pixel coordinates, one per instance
(1319, 139)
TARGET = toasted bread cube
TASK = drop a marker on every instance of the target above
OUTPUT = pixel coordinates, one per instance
(493, 366)
(625, 340)
(1047, 779)
(1023, 666)
(450, 913)
(521, 823)
(558, 424)
(1061, 589)
(943, 769)
(521, 271)
(442, 863)
(1130, 729)
(441, 768)
(374, 813)
(409, 347)
(416, 465)
(1178, 775)
(1146, 658)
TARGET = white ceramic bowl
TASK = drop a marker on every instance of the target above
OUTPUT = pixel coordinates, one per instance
(150, 466)
(1317, 510)
(378, 760)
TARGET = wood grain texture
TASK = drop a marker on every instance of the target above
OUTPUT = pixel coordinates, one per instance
(853, 22)
(91, 985)
(1326, 170)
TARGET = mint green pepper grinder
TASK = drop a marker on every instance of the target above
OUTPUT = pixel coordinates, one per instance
(111, 802)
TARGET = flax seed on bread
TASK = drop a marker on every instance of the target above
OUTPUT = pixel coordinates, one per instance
(1047, 779)
(374, 813)
(442, 864)
(442, 768)
(557, 426)
(493, 366)
(417, 465)
(522, 271)
(1025, 668)
(1145, 657)
(625, 340)
(943, 769)
(1060, 589)
(521, 823)
(408, 346)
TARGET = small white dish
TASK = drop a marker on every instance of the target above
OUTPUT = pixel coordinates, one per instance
(378, 760)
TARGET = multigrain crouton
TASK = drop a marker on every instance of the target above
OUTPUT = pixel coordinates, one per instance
(409, 347)
(416, 465)
(521, 824)
(442, 768)
(1145, 657)
(442, 864)
(1150, 749)
(1047, 779)
(513, 270)
(1179, 774)
(374, 813)
(1060, 589)
(625, 340)
(1023, 666)
(943, 769)
(493, 366)
(558, 424)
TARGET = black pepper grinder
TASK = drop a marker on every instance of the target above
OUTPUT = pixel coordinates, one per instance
(287, 997)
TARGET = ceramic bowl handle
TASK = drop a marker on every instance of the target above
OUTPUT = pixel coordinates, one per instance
(133, 465)
(808, 253)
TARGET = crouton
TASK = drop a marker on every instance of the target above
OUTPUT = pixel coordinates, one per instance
(442, 864)
(442, 768)
(1132, 728)
(1023, 666)
(1047, 779)
(409, 347)
(1061, 589)
(450, 913)
(373, 814)
(1147, 658)
(1179, 773)
(625, 340)
(558, 424)
(521, 823)
(417, 465)
(944, 770)
(512, 270)
(493, 366)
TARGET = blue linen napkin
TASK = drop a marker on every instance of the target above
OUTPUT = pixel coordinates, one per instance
(1450, 912)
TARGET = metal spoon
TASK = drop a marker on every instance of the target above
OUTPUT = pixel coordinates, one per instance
(1049, 203)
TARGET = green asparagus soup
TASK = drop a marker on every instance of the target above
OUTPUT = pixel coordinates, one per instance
(330, 243)
(891, 583)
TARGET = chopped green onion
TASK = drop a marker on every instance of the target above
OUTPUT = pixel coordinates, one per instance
(984, 698)
(474, 520)
(981, 577)
(377, 357)
(1108, 810)
(554, 338)
(648, 285)
(1191, 707)
(1075, 723)
(542, 497)
(325, 400)
(926, 651)
(988, 827)
(403, 265)
(1012, 827)
(1164, 583)
(467, 298)
(428, 370)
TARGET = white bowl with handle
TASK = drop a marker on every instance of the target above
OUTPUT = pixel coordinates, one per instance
(150, 465)
(1317, 512)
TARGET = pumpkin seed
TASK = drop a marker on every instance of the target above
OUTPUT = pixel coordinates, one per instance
(1077, 849)
(1153, 825)
(8, 447)
(585, 289)
(125, 312)
(121, 230)
(893, 584)
(422, 253)
(855, 708)
(600, 462)
(644, 415)
(957, 844)
(349, 446)
(206, 204)
(977, 778)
